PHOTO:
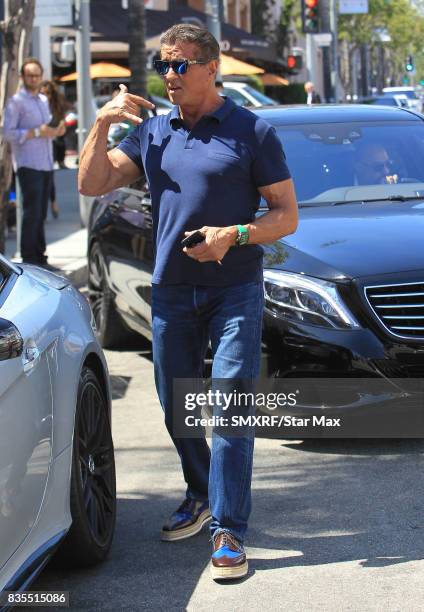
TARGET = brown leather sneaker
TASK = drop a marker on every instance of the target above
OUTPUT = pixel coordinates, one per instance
(186, 521)
(228, 558)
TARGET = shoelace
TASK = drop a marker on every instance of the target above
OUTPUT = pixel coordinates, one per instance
(228, 538)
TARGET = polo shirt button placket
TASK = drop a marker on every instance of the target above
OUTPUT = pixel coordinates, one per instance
(189, 142)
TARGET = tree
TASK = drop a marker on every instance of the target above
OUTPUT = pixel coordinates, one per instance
(16, 29)
(401, 20)
(278, 32)
(137, 47)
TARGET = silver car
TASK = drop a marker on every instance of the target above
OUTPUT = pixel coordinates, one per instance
(57, 470)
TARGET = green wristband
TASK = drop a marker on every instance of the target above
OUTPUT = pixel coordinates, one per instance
(242, 235)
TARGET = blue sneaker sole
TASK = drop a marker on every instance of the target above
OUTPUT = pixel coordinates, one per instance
(186, 532)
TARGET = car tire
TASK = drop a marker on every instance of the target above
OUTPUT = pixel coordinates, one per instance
(93, 485)
(111, 330)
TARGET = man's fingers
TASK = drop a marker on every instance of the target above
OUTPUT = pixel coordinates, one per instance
(131, 108)
(140, 101)
(132, 118)
(123, 88)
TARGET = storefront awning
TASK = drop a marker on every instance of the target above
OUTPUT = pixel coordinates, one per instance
(110, 22)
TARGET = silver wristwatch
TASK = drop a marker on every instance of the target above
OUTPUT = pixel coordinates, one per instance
(37, 132)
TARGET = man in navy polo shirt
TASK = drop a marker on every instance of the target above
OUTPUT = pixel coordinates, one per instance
(207, 163)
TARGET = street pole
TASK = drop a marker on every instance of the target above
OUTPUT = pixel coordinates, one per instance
(326, 51)
(310, 61)
(84, 91)
(214, 24)
(335, 50)
(83, 60)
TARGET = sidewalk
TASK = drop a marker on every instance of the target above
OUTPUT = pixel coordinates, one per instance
(66, 241)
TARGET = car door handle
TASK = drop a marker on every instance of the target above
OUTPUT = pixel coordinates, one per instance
(30, 356)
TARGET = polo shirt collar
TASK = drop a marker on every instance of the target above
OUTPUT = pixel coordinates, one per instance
(223, 111)
(219, 114)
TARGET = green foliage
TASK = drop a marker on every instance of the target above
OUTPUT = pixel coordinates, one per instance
(290, 94)
(400, 19)
(155, 86)
(255, 81)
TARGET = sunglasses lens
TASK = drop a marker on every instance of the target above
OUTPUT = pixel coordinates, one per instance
(179, 67)
(161, 66)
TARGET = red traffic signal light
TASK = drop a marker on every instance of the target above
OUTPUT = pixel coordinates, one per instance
(291, 62)
(294, 63)
(310, 16)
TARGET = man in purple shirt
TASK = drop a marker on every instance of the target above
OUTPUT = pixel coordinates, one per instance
(26, 120)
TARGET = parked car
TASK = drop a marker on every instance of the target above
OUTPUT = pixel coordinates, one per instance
(414, 100)
(388, 100)
(246, 95)
(344, 294)
(57, 470)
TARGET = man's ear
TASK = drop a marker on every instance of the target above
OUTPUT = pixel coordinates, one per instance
(213, 67)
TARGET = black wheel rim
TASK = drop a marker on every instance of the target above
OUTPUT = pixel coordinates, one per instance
(96, 463)
(95, 287)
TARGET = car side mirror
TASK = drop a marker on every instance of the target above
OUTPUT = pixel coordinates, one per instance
(11, 343)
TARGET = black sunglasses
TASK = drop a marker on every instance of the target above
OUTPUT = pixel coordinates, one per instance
(178, 66)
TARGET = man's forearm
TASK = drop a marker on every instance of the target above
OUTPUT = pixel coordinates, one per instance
(94, 163)
(271, 226)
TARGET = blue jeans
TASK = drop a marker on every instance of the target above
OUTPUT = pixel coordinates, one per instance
(185, 318)
(35, 186)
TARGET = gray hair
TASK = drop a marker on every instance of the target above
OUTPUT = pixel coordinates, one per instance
(189, 33)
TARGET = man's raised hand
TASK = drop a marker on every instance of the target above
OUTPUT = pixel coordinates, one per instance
(124, 107)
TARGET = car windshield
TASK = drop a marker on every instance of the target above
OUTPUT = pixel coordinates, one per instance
(342, 162)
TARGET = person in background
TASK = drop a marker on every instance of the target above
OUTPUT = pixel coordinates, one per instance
(312, 97)
(373, 166)
(26, 127)
(57, 109)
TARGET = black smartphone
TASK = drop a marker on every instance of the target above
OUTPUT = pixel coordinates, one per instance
(194, 238)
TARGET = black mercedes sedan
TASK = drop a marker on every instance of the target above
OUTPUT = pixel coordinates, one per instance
(345, 293)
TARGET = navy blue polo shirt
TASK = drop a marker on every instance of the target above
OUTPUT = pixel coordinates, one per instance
(207, 175)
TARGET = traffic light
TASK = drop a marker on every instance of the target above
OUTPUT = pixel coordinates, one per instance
(294, 63)
(409, 63)
(310, 16)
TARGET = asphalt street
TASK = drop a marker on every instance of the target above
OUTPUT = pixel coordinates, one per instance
(336, 525)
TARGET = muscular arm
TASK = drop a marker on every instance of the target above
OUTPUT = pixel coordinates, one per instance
(279, 221)
(101, 171)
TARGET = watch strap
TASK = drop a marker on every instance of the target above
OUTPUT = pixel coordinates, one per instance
(242, 235)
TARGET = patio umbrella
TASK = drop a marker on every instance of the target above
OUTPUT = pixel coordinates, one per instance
(101, 70)
(273, 79)
(231, 65)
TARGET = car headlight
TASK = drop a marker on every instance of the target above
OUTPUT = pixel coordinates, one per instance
(307, 300)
